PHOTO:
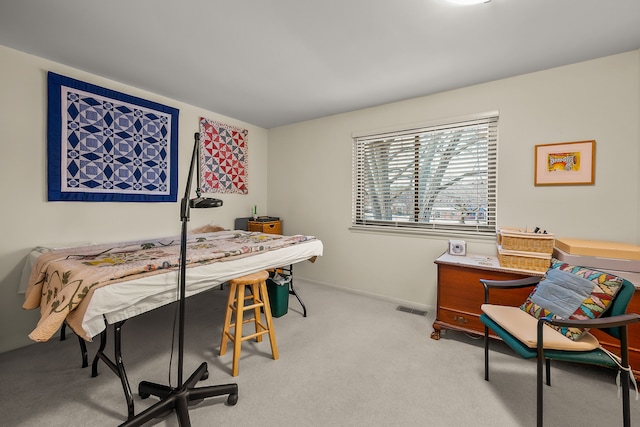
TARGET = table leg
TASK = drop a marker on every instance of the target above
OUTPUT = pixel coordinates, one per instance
(292, 291)
(118, 366)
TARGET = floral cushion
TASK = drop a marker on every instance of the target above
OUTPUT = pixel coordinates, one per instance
(572, 292)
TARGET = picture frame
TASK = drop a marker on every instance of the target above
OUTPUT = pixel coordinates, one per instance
(565, 163)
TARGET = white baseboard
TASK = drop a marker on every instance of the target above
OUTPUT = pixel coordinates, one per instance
(399, 301)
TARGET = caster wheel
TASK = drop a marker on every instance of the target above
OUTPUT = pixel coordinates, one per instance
(232, 399)
(204, 376)
(143, 395)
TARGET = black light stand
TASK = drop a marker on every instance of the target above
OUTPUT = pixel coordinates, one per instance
(178, 398)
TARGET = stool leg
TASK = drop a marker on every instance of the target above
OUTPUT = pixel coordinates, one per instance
(255, 290)
(268, 319)
(237, 333)
(227, 319)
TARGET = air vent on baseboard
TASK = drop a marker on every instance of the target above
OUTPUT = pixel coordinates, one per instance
(411, 310)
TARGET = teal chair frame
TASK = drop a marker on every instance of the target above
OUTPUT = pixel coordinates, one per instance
(613, 322)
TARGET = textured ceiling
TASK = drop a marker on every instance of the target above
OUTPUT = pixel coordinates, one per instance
(276, 62)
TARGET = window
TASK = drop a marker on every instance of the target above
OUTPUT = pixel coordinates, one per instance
(439, 178)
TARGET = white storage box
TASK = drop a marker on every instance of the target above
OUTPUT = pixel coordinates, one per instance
(597, 262)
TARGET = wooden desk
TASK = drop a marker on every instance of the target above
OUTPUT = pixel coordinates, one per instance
(460, 295)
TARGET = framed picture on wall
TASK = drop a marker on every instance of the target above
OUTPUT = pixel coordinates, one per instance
(565, 163)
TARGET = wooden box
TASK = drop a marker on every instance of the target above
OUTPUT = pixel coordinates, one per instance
(267, 227)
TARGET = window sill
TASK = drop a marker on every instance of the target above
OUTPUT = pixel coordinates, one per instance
(412, 232)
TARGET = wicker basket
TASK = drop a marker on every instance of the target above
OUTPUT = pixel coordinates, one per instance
(512, 239)
(521, 260)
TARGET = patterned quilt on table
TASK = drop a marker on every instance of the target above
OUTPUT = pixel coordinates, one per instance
(62, 281)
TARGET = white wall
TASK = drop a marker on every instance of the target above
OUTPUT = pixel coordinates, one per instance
(29, 220)
(310, 172)
(309, 177)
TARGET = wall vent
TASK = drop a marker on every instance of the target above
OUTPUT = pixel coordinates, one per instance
(411, 310)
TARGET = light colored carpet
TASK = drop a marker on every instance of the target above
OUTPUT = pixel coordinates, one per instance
(354, 361)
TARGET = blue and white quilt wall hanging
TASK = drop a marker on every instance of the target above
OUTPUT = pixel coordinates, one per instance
(106, 146)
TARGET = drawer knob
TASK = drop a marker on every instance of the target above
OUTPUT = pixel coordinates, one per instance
(460, 319)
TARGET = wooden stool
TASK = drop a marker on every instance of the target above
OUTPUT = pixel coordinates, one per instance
(258, 299)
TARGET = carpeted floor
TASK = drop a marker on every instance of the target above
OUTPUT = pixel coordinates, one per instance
(354, 361)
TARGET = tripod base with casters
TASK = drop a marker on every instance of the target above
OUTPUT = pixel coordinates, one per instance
(179, 399)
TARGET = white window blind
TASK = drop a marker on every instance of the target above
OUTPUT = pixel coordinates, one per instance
(440, 178)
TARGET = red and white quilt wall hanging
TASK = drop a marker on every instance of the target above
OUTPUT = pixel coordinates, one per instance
(223, 158)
